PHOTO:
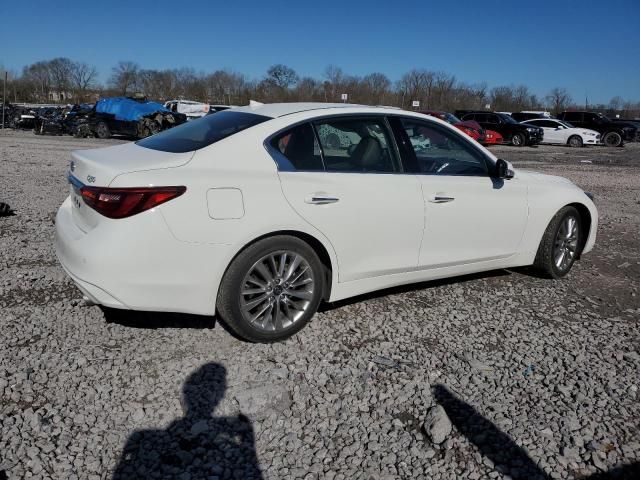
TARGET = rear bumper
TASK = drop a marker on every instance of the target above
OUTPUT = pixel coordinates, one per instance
(135, 263)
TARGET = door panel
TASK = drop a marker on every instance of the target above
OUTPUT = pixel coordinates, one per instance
(372, 214)
(374, 221)
(469, 216)
(484, 220)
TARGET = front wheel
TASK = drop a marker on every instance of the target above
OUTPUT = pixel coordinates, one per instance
(518, 140)
(271, 289)
(102, 130)
(612, 139)
(575, 141)
(560, 244)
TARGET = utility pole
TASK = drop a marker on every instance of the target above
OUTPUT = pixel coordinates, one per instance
(4, 96)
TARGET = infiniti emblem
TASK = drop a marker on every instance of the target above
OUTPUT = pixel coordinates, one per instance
(91, 178)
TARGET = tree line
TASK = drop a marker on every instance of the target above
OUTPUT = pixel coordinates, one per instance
(63, 80)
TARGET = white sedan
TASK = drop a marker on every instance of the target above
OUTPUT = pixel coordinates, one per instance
(563, 133)
(258, 215)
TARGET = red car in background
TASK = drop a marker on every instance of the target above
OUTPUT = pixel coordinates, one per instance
(471, 127)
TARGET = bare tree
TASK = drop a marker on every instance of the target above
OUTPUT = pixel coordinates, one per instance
(124, 77)
(83, 77)
(281, 76)
(558, 99)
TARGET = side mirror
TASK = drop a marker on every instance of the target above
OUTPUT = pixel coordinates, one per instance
(504, 169)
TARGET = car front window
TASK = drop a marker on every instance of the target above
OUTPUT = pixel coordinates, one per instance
(441, 152)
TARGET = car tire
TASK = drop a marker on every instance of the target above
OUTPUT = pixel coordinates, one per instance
(257, 280)
(102, 130)
(612, 139)
(575, 141)
(518, 140)
(560, 244)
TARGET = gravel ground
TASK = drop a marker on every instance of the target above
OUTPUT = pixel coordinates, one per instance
(499, 375)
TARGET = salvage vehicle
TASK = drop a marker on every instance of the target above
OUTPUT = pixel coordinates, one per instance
(515, 133)
(563, 133)
(248, 215)
(18, 117)
(133, 117)
(190, 108)
(613, 134)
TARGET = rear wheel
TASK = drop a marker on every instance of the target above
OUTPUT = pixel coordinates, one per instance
(612, 139)
(102, 130)
(271, 289)
(575, 141)
(560, 244)
(518, 140)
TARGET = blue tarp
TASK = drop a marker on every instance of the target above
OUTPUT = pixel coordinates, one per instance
(128, 109)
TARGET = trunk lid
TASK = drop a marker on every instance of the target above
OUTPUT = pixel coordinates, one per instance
(99, 167)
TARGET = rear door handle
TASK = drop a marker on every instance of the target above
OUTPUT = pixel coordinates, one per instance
(320, 200)
(440, 199)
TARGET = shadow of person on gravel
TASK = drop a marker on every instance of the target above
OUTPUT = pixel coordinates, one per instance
(197, 446)
(507, 457)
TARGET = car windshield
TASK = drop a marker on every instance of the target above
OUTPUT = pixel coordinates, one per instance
(203, 132)
(604, 117)
(507, 118)
(450, 118)
(566, 124)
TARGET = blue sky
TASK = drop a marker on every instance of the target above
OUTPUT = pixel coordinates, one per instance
(589, 47)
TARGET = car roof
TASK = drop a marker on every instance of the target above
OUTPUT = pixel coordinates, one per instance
(275, 110)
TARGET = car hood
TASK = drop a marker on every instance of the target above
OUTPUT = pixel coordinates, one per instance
(535, 177)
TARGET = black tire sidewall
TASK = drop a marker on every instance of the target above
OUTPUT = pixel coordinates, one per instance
(610, 134)
(522, 140)
(228, 302)
(102, 130)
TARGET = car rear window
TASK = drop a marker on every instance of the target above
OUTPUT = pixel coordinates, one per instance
(202, 132)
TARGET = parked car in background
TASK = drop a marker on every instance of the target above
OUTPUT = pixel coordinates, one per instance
(529, 114)
(563, 133)
(250, 214)
(190, 108)
(493, 138)
(513, 132)
(613, 134)
(634, 122)
(471, 128)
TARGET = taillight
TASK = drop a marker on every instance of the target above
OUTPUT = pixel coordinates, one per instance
(125, 202)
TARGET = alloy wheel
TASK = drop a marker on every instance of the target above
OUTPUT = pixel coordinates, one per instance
(277, 290)
(566, 243)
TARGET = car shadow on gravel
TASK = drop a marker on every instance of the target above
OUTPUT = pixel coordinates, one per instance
(198, 445)
(155, 320)
(507, 457)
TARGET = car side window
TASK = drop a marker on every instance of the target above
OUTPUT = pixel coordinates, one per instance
(297, 149)
(441, 152)
(573, 117)
(356, 145)
(493, 119)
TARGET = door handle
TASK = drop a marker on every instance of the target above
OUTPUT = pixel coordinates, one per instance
(320, 200)
(440, 199)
